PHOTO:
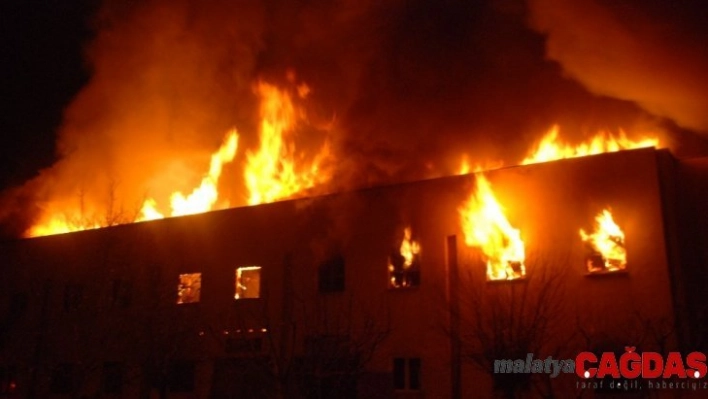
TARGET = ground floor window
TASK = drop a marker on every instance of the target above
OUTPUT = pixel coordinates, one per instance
(406, 373)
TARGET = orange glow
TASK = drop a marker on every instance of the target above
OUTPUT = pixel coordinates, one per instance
(401, 266)
(486, 227)
(549, 148)
(202, 198)
(60, 225)
(409, 248)
(608, 241)
(466, 167)
(271, 172)
(275, 170)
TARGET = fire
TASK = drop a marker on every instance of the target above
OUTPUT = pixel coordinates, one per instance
(275, 170)
(403, 266)
(271, 172)
(486, 227)
(607, 244)
(466, 167)
(202, 198)
(549, 148)
(60, 225)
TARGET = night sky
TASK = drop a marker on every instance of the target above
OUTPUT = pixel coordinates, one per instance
(410, 84)
(41, 56)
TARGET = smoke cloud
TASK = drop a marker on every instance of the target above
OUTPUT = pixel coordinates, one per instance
(403, 87)
(648, 52)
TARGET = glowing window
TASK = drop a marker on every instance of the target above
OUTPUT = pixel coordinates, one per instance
(189, 288)
(605, 244)
(248, 282)
(404, 263)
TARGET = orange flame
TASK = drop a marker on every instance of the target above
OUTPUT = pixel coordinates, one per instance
(409, 248)
(400, 266)
(274, 171)
(485, 226)
(608, 241)
(271, 173)
(202, 198)
(466, 167)
(550, 149)
(60, 224)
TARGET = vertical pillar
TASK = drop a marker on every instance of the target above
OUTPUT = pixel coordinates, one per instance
(454, 303)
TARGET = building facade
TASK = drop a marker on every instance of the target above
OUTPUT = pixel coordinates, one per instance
(372, 293)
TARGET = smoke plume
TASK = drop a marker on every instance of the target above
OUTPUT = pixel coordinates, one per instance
(648, 52)
(403, 87)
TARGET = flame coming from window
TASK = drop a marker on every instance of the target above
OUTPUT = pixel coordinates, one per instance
(549, 148)
(486, 227)
(409, 248)
(606, 241)
(271, 172)
(403, 266)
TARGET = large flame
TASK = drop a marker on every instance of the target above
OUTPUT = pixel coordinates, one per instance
(202, 198)
(400, 265)
(60, 224)
(275, 170)
(549, 148)
(271, 172)
(607, 241)
(486, 227)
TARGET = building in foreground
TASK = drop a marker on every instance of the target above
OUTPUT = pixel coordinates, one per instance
(373, 293)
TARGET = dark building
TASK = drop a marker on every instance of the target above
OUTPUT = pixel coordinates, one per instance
(372, 293)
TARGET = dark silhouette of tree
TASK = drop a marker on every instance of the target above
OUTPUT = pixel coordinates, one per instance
(509, 319)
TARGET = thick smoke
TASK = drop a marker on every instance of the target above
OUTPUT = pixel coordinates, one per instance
(404, 87)
(648, 52)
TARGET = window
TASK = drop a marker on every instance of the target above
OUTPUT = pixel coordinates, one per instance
(73, 295)
(62, 379)
(189, 288)
(181, 376)
(331, 275)
(121, 294)
(404, 263)
(113, 377)
(248, 282)
(406, 374)
(606, 250)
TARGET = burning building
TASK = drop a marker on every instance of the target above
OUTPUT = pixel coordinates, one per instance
(259, 199)
(396, 291)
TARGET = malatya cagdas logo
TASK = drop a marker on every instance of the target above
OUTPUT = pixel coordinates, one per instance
(647, 365)
(630, 370)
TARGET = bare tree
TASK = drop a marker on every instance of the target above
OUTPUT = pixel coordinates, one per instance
(311, 346)
(509, 319)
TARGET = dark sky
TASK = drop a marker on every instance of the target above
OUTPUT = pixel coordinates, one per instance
(409, 85)
(42, 69)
